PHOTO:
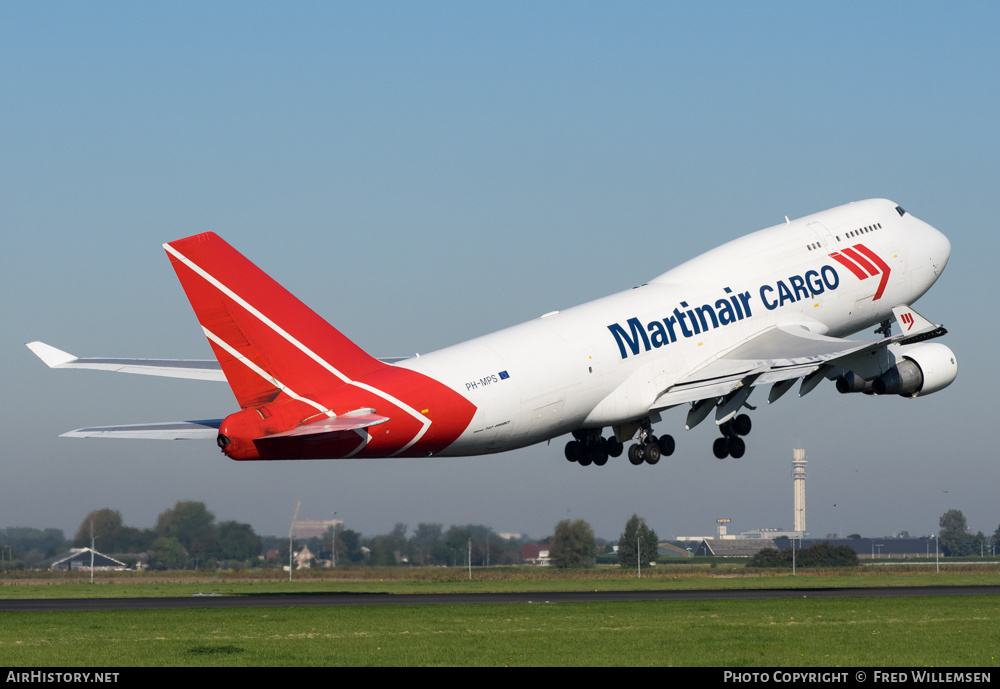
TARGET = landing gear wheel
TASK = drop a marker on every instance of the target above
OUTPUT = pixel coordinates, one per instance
(667, 445)
(571, 450)
(635, 455)
(736, 447)
(588, 447)
(742, 424)
(597, 454)
(615, 448)
(652, 452)
(721, 448)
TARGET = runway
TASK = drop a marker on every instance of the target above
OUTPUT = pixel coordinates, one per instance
(354, 599)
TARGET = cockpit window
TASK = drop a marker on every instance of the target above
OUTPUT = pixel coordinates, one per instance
(899, 209)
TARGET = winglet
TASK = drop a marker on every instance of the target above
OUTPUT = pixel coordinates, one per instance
(52, 357)
(910, 322)
(914, 327)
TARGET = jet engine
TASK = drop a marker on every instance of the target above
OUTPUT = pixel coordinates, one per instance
(920, 370)
(923, 369)
(852, 382)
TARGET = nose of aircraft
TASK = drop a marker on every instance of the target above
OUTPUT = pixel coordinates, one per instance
(945, 250)
(940, 249)
(937, 248)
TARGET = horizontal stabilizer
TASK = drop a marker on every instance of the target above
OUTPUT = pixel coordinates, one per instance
(206, 429)
(198, 369)
(195, 369)
(351, 421)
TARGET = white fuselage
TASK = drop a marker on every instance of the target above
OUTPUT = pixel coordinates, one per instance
(606, 362)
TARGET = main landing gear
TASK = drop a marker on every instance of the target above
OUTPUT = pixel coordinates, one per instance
(731, 444)
(588, 447)
(649, 448)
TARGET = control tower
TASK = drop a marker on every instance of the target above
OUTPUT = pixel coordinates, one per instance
(799, 487)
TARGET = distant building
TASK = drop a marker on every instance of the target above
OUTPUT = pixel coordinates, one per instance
(665, 549)
(303, 559)
(733, 547)
(315, 528)
(536, 554)
(877, 548)
(79, 559)
(770, 533)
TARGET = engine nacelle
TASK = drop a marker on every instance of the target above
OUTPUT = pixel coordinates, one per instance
(852, 382)
(920, 370)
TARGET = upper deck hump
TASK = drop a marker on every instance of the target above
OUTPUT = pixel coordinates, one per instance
(755, 251)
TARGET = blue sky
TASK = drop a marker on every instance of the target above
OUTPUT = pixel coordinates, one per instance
(423, 173)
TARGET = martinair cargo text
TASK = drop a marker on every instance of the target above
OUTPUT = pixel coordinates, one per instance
(766, 309)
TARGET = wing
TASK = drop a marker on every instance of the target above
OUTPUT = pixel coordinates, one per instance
(197, 369)
(779, 356)
(772, 356)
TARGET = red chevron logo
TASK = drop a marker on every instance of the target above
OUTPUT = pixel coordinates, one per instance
(864, 263)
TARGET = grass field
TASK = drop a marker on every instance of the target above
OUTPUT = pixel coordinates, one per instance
(923, 631)
(940, 632)
(455, 580)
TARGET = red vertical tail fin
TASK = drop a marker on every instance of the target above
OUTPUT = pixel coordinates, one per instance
(267, 341)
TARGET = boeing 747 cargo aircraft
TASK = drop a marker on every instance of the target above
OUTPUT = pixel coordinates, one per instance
(762, 311)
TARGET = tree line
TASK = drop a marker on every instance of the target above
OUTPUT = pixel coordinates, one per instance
(429, 545)
(187, 536)
(957, 541)
(573, 544)
(818, 555)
